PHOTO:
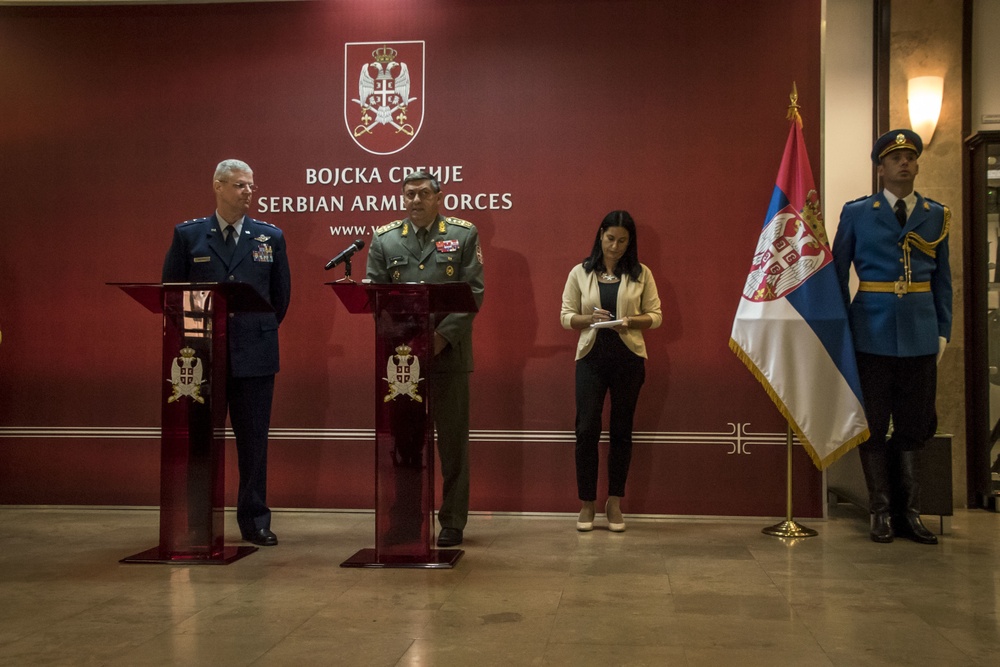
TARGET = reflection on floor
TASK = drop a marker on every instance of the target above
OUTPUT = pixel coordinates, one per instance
(529, 591)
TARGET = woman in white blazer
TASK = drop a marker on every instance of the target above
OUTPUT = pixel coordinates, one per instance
(610, 299)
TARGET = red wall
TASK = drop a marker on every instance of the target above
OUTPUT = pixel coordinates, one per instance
(113, 119)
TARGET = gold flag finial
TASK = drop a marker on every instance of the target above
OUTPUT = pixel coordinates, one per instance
(793, 107)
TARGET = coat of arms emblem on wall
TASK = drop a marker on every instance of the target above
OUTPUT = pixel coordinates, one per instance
(383, 94)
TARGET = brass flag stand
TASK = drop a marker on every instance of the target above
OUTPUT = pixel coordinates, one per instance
(789, 527)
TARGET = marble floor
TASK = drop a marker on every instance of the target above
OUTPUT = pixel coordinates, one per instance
(530, 590)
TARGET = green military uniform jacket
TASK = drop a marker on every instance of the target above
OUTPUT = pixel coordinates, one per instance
(451, 254)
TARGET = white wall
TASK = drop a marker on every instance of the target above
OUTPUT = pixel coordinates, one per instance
(847, 105)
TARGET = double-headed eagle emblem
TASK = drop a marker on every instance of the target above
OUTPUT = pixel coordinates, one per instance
(185, 376)
(792, 247)
(403, 373)
(383, 98)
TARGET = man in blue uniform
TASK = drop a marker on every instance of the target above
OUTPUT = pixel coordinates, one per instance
(230, 246)
(901, 321)
(430, 248)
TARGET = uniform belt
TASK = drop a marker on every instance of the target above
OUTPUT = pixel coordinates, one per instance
(899, 287)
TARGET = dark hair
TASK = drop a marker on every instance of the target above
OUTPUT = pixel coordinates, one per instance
(422, 176)
(629, 263)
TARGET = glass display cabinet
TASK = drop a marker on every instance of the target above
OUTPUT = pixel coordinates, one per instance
(982, 319)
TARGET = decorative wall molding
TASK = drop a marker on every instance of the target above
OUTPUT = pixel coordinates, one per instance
(739, 437)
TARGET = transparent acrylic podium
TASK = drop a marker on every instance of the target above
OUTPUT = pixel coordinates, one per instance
(193, 417)
(404, 430)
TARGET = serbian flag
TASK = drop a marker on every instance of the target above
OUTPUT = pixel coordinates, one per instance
(791, 327)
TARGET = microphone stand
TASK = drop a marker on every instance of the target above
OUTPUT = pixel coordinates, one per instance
(347, 273)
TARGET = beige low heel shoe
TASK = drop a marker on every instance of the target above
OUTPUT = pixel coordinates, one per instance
(585, 522)
(616, 522)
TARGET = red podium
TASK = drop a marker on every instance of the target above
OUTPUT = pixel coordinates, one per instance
(193, 417)
(404, 430)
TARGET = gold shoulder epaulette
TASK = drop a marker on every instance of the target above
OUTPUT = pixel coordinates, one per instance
(392, 225)
(459, 222)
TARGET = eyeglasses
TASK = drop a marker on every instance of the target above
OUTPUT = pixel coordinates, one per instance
(240, 185)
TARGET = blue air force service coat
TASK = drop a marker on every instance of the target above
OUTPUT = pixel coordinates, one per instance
(198, 253)
(869, 236)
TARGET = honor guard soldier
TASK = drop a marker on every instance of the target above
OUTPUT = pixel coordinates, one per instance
(427, 247)
(900, 318)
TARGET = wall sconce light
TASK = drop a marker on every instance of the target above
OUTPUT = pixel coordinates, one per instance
(924, 99)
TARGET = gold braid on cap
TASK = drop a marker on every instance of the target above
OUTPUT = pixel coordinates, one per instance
(929, 248)
(900, 142)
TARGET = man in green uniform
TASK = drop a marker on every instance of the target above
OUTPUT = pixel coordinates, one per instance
(427, 247)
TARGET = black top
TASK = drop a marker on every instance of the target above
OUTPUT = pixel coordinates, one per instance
(608, 339)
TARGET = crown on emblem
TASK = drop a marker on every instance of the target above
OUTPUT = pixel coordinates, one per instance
(385, 54)
(187, 352)
(404, 350)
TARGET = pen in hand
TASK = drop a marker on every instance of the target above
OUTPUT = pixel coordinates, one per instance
(601, 312)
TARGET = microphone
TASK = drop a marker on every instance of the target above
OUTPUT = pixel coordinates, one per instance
(345, 254)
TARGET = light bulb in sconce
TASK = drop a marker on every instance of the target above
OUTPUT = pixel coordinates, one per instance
(924, 94)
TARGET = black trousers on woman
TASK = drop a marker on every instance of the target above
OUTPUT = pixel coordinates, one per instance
(609, 368)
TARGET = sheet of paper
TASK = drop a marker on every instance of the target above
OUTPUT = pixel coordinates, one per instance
(606, 325)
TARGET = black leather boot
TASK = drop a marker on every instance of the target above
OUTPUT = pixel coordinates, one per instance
(909, 487)
(874, 464)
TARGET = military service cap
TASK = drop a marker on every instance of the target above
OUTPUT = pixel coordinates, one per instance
(894, 140)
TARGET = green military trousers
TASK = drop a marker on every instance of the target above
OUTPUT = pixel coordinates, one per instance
(450, 409)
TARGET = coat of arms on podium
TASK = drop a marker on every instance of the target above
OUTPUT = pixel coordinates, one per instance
(403, 374)
(186, 376)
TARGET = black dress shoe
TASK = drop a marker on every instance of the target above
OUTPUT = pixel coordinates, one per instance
(262, 538)
(913, 528)
(881, 528)
(449, 537)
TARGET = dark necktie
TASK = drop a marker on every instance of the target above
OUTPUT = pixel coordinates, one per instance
(422, 235)
(230, 234)
(901, 212)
